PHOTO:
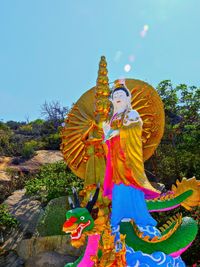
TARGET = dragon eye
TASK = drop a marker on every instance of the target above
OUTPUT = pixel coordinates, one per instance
(82, 218)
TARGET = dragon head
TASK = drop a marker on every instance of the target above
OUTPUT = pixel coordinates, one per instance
(79, 219)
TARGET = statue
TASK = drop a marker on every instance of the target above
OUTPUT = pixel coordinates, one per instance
(112, 151)
(125, 175)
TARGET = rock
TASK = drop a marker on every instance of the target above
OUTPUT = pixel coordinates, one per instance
(49, 235)
(4, 177)
(28, 166)
(33, 165)
(4, 162)
(61, 244)
(27, 212)
(24, 209)
(9, 182)
(10, 259)
(49, 259)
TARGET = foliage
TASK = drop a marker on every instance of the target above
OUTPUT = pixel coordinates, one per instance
(29, 148)
(25, 129)
(16, 182)
(52, 219)
(54, 112)
(177, 155)
(6, 147)
(53, 180)
(6, 219)
(14, 125)
(52, 141)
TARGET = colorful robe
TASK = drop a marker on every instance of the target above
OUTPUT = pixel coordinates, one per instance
(125, 179)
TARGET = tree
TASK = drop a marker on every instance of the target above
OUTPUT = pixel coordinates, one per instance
(177, 155)
(54, 112)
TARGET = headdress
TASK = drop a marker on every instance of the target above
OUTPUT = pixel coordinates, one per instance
(120, 85)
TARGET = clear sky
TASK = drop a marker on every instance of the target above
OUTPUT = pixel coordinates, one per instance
(50, 49)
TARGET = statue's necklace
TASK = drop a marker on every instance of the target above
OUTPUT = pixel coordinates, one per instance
(117, 120)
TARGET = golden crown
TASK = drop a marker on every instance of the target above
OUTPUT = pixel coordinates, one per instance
(120, 84)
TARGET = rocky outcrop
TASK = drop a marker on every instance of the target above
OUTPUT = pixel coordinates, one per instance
(32, 165)
(36, 245)
(49, 259)
(27, 211)
(10, 259)
(39, 240)
(13, 179)
(28, 166)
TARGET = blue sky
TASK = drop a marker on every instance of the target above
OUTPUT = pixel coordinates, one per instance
(50, 50)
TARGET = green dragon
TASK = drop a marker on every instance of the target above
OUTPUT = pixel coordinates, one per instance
(177, 234)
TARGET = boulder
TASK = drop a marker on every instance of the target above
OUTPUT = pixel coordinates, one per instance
(49, 259)
(49, 235)
(28, 166)
(34, 164)
(27, 211)
(61, 244)
(10, 259)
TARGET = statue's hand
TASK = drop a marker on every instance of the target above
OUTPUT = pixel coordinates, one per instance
(132, 117)
(129, 122)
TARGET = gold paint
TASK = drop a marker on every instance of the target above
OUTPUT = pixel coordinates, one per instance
(176, 220)
(102, 92)
(144, 99)
(185, 185)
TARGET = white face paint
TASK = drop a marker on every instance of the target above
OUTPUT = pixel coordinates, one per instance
(120, 101)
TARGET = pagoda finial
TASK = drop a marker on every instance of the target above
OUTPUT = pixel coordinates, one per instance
(102, 92)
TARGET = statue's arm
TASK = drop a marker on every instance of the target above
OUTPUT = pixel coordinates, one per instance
(132, 118)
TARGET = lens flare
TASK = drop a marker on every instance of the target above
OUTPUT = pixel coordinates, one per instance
(131, 58)
(144, 30)
(146, 27)
(127, 67)
(143, 33)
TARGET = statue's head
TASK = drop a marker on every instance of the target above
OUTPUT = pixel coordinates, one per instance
(120, 97)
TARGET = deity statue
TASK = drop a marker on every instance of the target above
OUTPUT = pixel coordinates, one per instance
(125, 175)
(107, 137)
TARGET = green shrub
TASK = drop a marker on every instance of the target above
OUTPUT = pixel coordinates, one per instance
(51, 221)
(52, 141)
(29, 148)
(6, 219)
(6, 147)
(14, 125)
(26, 129)
(52, 181)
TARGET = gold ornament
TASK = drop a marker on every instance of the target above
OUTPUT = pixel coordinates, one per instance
(82, 146)
(81, 133)
(102, 92)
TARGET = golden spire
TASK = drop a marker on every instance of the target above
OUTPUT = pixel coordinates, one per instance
(102, 92)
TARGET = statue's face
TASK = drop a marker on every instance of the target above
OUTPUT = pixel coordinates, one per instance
(120, 101)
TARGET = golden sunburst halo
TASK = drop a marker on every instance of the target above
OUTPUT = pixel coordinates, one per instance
(81, 130)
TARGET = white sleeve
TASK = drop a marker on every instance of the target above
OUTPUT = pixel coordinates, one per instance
(132, 117)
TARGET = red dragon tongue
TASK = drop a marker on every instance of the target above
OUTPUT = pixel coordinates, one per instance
(76, 234)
